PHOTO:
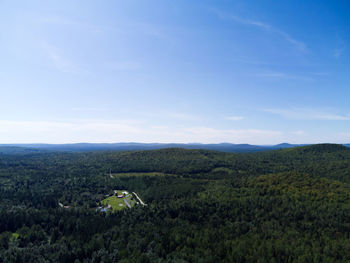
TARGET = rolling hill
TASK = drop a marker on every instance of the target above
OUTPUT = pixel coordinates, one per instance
(286, 205)
(81, 147)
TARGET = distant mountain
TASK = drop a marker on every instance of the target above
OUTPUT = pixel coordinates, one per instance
(287, 145)
(83, 147)
(132, 146)
(18, 150)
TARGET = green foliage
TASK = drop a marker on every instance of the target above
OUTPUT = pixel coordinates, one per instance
(289, 205)
(116, 175)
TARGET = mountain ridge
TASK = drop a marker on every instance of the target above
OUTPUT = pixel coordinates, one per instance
(134, 146)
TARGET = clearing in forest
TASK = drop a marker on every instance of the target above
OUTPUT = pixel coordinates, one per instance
(115, 202)
(121, 200)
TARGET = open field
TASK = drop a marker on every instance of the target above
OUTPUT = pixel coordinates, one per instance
(116, 203)
(120, 203)
(130, 199)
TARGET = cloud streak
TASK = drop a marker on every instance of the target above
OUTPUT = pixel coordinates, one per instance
(340, 48)
(68, 131)
(308, 114)
(126, 130)
(262, 26)
(58, 60)
(69, 23)
(281, 75)
(235, 118)
(213, 135)
(184, 116)
(89, 109)
(135, 130)
(124, 66)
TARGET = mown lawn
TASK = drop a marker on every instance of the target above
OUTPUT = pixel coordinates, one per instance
(116, 203)
(131, 200)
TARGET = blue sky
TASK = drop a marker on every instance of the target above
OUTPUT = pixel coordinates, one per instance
(260, 72)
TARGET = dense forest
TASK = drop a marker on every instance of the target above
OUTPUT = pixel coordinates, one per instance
(289, 205)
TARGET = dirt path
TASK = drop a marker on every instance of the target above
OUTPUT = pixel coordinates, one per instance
(138, 198)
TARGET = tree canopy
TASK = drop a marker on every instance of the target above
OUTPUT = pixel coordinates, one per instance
(290, 205)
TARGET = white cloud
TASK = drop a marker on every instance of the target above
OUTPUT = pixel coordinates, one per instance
(58, 60)
(70, 23)
(345, 136)
(108, 131)
(271, 75)
(254, 136)
(88, 109)
(320, 73)
(281, 75)
(125, 131)
(244, 21)
(68, 131)
(124, 66)
(262, 26)
(337, 52)
(235, 118)
(308, 114)
(298, 133)
(183, 116)
(340, 47)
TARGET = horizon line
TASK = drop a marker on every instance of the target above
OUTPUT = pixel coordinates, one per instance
(164, 143)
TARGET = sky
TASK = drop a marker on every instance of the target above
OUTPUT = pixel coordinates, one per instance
(200, 71)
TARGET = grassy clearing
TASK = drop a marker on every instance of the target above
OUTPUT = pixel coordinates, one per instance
(131, 200)
(222, 170)
(116, 203)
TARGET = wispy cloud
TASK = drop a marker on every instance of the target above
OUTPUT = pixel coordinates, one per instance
(70, 23)
(184, 116)
(320, 73)
(138, 130)
(88, 109)
(250, 61)
(58, 60)
(308, 114)
(262, 26)
(345, 136)
(126, 130)
(337, 52)
(69, 131)
(272, 75)
(234, 118)
(208, 134)
(281, 75)
(340, 47)
(298, 133)
(149, 29)
(244, 21)
(124, 66)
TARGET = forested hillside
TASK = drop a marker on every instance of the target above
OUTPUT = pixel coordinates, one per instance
(83, 147)
(290, 205)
